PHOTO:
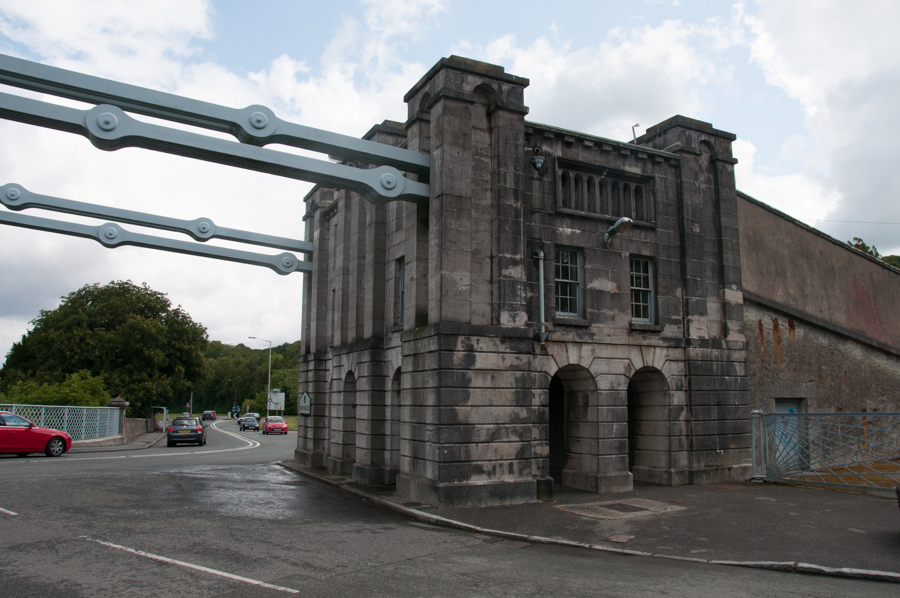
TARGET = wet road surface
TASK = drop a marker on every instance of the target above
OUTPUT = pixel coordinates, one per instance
(224, 520)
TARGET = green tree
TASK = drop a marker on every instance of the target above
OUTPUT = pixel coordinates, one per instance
(79, 390)
(146, 351)
(858, 243)
(893, 260)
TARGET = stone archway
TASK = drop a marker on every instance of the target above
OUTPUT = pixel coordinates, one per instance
(343, 429)
(393, 437)
(649, 428)
(572, 444)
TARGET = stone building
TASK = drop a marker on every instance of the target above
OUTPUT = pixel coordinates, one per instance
(487, 345)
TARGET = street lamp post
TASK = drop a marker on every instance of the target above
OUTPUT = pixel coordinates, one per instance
(269, 382)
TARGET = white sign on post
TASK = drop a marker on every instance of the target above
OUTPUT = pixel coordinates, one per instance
(304, 404)
(276, 400)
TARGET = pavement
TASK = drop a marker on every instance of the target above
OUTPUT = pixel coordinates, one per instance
(143, 441)
(761, 525)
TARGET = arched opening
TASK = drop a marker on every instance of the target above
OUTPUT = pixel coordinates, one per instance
(639, 210)
(615, 199)
(602, 197)
(592, 195)
(578, 193)
(565, 191)
(343, 429)
(649, 429)
(572, 446)
(393, 461)
(627, 201)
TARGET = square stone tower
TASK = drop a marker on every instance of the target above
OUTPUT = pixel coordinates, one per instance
(490, 345)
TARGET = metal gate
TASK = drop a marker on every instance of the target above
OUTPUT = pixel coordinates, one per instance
(847, 450)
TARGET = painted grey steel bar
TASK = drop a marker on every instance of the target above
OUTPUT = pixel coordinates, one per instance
(16, 197)
(109, 128)
(756, 422)
(255, 125)
(112, 235)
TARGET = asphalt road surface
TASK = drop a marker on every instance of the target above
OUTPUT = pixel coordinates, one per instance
(224, 520)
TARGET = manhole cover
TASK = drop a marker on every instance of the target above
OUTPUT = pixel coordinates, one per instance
(623, 508)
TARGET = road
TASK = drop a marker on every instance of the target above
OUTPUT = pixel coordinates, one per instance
(225, 520)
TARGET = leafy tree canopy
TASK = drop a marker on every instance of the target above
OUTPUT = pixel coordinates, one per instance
(146, 351)
(78, 390)
(893, 260)
(237, 374)
(858, 243)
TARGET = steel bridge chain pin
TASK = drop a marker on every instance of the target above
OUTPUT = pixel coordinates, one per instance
(203, 227)
(388, 181)
(107, 121)
(259, 120)
(110, 232)
(287, 262)
(13, 194)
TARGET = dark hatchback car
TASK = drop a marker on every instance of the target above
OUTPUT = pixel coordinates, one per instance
(186, 429)
(208, 415)
(248, 422)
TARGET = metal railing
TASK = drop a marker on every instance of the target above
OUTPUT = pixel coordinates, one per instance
(81, 423)
(847, 450)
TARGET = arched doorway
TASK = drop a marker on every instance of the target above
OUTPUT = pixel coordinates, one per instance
(649, 428)
(572, 446)
(393, 461)
(343, 429)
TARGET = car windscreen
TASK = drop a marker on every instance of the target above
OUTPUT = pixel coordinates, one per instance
(275, 420)
(14, 420)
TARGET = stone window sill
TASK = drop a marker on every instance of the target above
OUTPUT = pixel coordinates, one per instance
(397, 328)
(563, 321)
(646, 326)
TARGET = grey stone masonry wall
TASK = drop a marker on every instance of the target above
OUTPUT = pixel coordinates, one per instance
(819, 315)
(820, 368)
(432, 361)
(711, 267)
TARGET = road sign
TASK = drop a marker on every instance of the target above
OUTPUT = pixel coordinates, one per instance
(304, 404)
(276, 400)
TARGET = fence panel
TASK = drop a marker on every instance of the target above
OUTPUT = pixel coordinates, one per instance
(81, 423)
(850, 450)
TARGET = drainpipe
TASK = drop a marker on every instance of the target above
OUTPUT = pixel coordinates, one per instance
(539, 256)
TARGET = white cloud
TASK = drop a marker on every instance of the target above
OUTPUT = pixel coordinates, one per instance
(841, 62)
(360, 81)
(644, 74)
(799, 193)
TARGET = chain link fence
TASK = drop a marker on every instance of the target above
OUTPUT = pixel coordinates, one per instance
(848, 450)
(81, 423)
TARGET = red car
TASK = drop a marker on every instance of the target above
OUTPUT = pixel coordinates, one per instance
(22, 437)
(274, 425)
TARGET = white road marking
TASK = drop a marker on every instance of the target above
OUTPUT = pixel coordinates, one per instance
(251, 444)
(7, 512)
(164, 559)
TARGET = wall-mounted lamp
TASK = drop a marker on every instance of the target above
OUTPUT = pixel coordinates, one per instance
(537, 160)
(621, 225)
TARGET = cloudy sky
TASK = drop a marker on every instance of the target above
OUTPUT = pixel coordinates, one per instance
(807, 87)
